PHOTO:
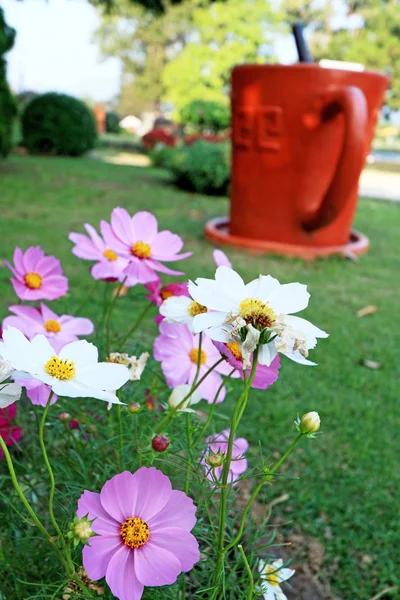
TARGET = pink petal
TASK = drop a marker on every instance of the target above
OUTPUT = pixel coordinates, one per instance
(121, 576)
(144, 226)
(48, 314)
(155, 566)
(106, 269)
(153, 492)
(94, 236)
(209, 387)
(119, 495)
(182, 544)
(54, 287)
(166, 244)
(76, 325)
(89, 504)
(19, 260)
(48, 265)
(157, 266)
(178, 512)
(221, 259)
(97, 556)
(111, 240)
(140, 270)
(121, 226)
(31, 257)
(84, 247)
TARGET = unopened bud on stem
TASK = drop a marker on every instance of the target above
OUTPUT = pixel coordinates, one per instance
(310, 423)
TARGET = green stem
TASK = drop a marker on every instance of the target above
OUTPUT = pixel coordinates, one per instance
(256, 492)
(211, 413)
(109, 313)
(239, 409)
(121, 433)
(284, 456)
(53, 486)
(136, 324)
(249, 573)
(199, 382)
(28, 507)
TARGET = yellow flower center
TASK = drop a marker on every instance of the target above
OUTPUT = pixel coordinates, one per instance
(234, 347)
(61, 368)
(110, 255)
(33, 280)
(272, 576)
(258, 313)
(194, 356)
(134, 532)
(165, 293)
(195, 308)
(52, 326)
(141, 250)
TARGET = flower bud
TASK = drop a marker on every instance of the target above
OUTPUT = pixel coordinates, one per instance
(82, 529)
(181, 399)
(133, 407)
(64, 417)
(310, 423)
(215, 460)
(160, 443)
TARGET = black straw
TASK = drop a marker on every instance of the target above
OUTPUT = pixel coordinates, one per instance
(302, 48)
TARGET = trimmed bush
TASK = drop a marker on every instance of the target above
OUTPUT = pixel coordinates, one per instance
(112, 123)
(8, 106)
(58, 124)
(203, 167)
(204, 115)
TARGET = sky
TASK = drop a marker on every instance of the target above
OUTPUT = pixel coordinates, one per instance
(54, 49)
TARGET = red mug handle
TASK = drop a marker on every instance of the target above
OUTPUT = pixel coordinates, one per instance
(352, 103)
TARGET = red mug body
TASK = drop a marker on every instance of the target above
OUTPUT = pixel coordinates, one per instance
(300, 136)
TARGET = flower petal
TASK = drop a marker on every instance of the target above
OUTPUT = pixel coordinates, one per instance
(104, 376)
(180, 543)
(119, 495)
(179, 512)
(98, 554)
(90, 504)
(82, 353)
(155, 566)
(121, 576)
(289, 298)
(154, 492)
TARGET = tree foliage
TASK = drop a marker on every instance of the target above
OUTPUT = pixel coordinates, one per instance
(8, 107)
(374, 41)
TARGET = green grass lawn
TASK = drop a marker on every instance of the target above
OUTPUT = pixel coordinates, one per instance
(348, 491)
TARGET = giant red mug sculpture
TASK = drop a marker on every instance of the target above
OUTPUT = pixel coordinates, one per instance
(300, 136)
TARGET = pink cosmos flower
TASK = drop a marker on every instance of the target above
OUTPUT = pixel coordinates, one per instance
(109, 266)
(221, 259)
(218, 445)
(160, 292)
(138, 240)
(143, 532)
(37, 276)
(264, 377)
(10, 433)
(178, 349)
(59, 330)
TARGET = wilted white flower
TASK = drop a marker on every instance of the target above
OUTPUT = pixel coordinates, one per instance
(135, 365)
(9, 392)
(265, 304)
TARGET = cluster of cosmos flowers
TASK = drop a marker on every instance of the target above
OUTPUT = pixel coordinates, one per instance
(209, 329)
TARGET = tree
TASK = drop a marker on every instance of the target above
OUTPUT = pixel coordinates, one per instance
(224, 35)
(374, 41)
(8, 107)
(144, 41)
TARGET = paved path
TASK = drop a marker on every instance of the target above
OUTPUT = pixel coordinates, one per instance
(380, 184)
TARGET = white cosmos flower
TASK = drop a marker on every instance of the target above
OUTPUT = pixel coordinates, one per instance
(181, 309)
(179, 394)
(75, 372)
(9, 392)
(263, 303)
(272, 576)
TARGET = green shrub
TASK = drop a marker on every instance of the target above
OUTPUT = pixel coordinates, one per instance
(161, 155)
(58, 124)
(8, 106)
(203, 167)
(112, 123)
(204, 115)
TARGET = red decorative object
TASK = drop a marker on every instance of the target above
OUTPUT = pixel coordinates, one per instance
(300, 134)
(155, 136)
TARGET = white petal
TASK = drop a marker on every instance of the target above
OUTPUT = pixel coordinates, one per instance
(279, 595)
(82, 353)
(74, 389)
(175, 309)
(206, 320)
(289, 298)
(285, 574)
(41, 349)
(266, 354)
(261, 288)
(103, 376)
(269, 593)
(17, 349)
(298, 358)
(277, 564)
(310, 331)
(228, 277)
(220, 334)
(9, 393)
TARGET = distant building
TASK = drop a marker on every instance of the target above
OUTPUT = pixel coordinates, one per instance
(131, 124)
